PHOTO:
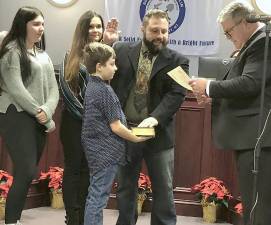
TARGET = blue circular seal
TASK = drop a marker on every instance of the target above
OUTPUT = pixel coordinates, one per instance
(174, 8)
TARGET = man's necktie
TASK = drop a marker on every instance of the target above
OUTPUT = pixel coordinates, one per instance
(141, 87)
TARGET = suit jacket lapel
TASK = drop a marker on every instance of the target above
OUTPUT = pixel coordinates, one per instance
(243, 49)
(133, 55)
(161, 61)
(229, 69)
(247, 44)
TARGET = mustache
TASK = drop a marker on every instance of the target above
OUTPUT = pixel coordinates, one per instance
(158, 39)
(152, 47)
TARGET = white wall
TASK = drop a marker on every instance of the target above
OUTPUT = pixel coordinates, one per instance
(60, 24)
(224, 51)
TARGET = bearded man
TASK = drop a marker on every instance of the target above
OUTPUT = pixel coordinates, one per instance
(150, 98)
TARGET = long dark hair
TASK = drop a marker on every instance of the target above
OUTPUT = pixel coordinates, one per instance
(18, 34)
(80, 39)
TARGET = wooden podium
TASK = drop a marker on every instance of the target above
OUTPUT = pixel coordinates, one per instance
(196, 157)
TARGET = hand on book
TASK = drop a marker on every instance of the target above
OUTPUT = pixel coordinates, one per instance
(148, 122)
(143, 138)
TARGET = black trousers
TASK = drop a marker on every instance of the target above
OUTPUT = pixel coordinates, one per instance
(160, 165)
(25, 139)
(76, 172)
(244, 161)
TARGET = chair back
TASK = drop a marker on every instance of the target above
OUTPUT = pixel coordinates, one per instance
(213, 67)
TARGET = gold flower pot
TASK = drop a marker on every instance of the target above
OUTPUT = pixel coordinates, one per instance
(140, 200)
(57, 200)
(209, 212)
(2, 208)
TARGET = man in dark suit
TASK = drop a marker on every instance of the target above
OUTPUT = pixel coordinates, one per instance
(236, 107)
(150, 98)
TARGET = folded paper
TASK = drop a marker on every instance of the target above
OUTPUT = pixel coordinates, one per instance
(180, 76)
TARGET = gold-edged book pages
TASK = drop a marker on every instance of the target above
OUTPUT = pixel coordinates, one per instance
(180, 76)
(143, 131)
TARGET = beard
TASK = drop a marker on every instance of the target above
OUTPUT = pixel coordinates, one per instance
(152, 47)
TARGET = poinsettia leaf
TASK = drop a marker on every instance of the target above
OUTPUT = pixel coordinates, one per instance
(55, 177)
(212, 190)
(5, 183)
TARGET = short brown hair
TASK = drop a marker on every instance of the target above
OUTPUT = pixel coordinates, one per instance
(95, 53)
(154, 13)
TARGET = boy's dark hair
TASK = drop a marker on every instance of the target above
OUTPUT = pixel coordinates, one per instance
(96, 52)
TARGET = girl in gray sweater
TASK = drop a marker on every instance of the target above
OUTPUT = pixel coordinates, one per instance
(28, 98)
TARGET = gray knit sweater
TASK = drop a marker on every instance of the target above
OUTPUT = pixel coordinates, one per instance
(39, 92)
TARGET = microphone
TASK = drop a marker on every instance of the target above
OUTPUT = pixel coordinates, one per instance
(258, 18)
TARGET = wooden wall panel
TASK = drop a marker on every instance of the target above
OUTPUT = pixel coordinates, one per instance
(197, 158)
(5, 161)
(187, 161)
(53, 155)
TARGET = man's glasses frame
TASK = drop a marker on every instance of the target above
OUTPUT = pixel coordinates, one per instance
(227, 33)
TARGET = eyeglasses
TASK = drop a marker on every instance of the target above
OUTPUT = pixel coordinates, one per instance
(228, 32)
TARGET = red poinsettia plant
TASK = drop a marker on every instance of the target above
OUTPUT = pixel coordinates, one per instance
(239, 208)
(212, 190)
(144, 184)
(5, 183)
(55, 177)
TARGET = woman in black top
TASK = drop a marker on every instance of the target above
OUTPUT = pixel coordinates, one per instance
(73, 81)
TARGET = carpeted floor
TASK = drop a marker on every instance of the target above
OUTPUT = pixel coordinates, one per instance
(49, 216)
